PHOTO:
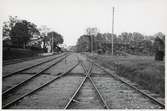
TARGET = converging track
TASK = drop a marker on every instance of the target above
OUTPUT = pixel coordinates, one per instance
(71, 81)
(73, 103)
(12, 95)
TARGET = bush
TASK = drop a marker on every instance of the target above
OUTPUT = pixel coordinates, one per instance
(146, 76)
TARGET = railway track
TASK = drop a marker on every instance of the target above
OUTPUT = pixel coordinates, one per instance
(31, 66)
(97, 88)
(10, 100)
(27, 76)
(131, 86)
(73, 103)
(4, 93)
(14, 61)
(12, 95)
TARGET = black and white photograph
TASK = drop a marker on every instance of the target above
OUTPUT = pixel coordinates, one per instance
(83, 54)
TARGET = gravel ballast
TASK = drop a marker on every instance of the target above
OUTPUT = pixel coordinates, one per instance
(54, 96)
(119, 95)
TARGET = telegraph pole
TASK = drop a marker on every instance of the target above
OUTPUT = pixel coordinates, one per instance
(113, 32)
(52, 42)
(92, 42)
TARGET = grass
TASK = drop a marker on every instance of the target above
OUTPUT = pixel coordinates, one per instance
(142, 70)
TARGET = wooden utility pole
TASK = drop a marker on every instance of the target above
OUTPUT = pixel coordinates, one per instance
(92, 43)
(52, 42)
(113, 32)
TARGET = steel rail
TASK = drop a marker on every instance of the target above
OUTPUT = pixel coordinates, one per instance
(19, 60)
(27, 68)
(25, 81)
(42, 86)
(76, 92)
(133, 87)
(99, 94)
(104, 102)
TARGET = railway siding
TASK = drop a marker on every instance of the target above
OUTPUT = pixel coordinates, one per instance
(44, 83)
(22, 80)
(19, 66)
(54, 96)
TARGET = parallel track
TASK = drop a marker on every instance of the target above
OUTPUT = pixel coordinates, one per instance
(14, 61)
(35, 90)
(32, 77)
(32, 66)
(87, 73)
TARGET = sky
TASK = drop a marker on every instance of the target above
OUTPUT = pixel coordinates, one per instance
(70, 18)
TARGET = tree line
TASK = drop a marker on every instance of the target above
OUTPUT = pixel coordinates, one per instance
(20, 33)
(133, 43)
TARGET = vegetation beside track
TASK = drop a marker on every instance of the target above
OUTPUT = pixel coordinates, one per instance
(16, 53)
(142, 70)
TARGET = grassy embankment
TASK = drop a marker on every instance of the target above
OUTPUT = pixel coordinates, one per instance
(16, 53)
(142, 70)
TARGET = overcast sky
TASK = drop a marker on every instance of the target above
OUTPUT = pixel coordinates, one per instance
(71, 17)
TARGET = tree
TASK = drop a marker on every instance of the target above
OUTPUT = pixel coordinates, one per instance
(43, 34)
(19, 35)
(138, 37)
(160, 35)
(57, 39)
(99, 39)
(22, 32)
(32, 28)
(83, 43)
(92, 32)
(8, 25)
(159, 46)
(133, 43)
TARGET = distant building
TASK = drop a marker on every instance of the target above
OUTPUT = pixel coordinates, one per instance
(7, 41)
(35, 41)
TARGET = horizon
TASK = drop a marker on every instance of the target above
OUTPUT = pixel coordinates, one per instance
(71, 18)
